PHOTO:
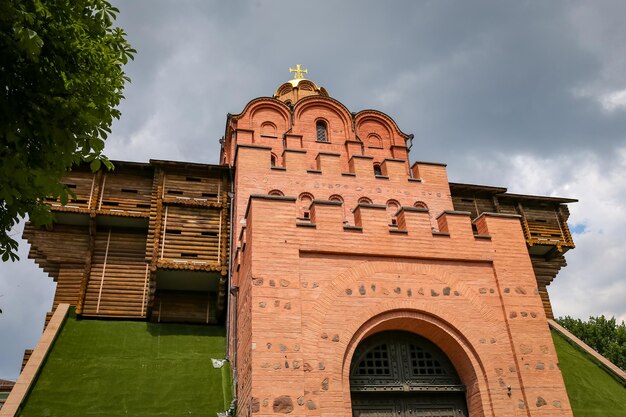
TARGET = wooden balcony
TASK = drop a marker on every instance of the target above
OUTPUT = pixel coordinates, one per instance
(543, 219)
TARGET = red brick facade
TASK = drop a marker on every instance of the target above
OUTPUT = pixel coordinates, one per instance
(326, 253)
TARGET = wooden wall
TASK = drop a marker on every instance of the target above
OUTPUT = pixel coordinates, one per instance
(118, 280)
(126, 224)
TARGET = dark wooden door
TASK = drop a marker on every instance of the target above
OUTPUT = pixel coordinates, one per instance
(400, 374)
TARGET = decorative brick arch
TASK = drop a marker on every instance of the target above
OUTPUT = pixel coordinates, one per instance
(381, 119)
(374, 140)
(256, 104)
(268, 113)
(260, 111)
(338, 111)
(268, 128)
(384, 130)
(449, 339)
(276, 192)
(339, 323)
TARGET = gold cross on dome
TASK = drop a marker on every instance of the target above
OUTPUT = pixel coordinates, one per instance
(298, 72)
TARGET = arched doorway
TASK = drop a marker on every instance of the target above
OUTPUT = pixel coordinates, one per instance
(401, 374)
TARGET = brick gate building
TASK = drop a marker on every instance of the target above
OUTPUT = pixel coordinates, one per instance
(351, 281)
(339, 238)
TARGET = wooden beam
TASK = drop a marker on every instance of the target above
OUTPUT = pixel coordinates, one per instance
(104, 268)
(87, 270)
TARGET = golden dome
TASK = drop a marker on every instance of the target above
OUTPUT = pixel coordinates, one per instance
(298, 87)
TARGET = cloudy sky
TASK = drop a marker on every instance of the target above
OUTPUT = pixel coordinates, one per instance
(528, 95)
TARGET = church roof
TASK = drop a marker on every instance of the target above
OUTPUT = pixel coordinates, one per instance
(298, 87)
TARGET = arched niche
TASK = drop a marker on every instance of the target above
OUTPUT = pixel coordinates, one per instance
(371, 128)
(374, 122)
(269, 119)
(373, 141)
(269, 129)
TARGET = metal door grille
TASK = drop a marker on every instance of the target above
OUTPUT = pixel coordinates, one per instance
(400, 374)
(423, 363)
(376, 362)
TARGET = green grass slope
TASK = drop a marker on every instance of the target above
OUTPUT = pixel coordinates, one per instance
(124, 368)
(591, 390)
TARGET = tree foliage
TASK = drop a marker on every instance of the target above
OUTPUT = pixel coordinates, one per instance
(61, 71)
(604, 335)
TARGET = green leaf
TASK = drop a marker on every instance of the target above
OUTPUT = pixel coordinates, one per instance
(94, 165)
(63, 63)
(97, 145)
(29, 40)
(108, 164)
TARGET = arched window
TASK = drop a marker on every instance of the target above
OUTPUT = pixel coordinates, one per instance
(304, 204)
(392, 208)
(420, 204)
(365, 200)
(377, 169)
(273, 160)
(276, 193)
(322, 131)
(403, 374)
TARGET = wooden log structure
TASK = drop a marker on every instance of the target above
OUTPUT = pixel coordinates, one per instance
(187, 306)
(26, 357)
(81, 182)
(543, 221)
(126, 190)
(545, 271)
(64, 263)
(117, 283)
(124, 228)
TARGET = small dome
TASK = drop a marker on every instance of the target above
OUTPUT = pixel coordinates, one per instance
(298, 87)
